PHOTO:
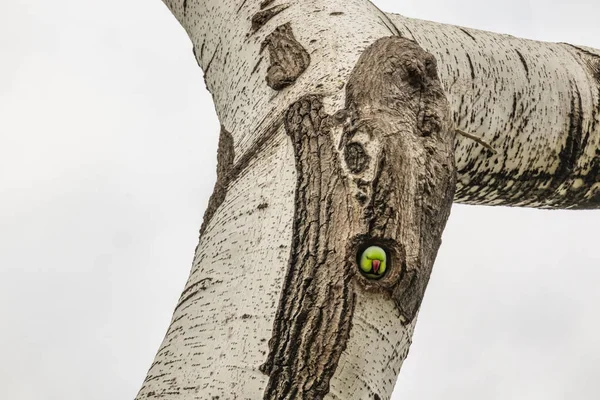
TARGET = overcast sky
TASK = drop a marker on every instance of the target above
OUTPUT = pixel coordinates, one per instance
(107, 159)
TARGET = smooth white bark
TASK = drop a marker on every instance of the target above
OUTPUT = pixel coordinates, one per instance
(219, 332)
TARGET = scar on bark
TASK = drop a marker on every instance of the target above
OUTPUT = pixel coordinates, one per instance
(288, 59)
(522, 58)
(394, 169)
(225, 156)
(466, 32)
(194, 290)
(266, 3)
(262, 17)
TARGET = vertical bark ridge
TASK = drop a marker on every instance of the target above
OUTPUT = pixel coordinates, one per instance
(313, 320)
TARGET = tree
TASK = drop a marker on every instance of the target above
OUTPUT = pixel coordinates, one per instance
(351, 138)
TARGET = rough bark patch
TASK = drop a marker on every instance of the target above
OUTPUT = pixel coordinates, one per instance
(266, 3)
(356, 158)
(262, 17)
(225, 156)
(394, 96)
(288, 59)
(391, 183)
(313, 319)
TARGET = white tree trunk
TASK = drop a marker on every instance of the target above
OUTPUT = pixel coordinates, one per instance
(537, 104)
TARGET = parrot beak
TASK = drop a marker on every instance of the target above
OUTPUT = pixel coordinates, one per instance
(376, 264)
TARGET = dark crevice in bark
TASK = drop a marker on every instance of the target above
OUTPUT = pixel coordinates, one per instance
(211, 60)
(266, 3)
(250, 154)
(383, 21)
(225, 156)
(471, 67)
(394, 31)
(409, 31)
(241, 6)
(523, 62)
(582, 50)
(256, 66)
(185, 4)
(572, 149)
(466, 32)
(288, 58)
(262, 17)
(194, 289)
(356, 158)
(392, 187)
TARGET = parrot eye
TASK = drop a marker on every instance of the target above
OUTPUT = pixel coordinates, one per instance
(372, 262)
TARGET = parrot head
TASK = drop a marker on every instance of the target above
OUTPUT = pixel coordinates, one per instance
(373, 262)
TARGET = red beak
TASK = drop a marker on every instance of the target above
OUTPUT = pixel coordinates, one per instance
(376, 264)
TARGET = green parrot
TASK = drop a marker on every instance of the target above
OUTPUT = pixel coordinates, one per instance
(373, 262)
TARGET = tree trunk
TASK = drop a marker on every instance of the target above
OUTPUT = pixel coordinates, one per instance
(338, 133)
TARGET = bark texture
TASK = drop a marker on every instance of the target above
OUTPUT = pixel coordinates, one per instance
(537, 104)
(225, 156)
(288, 58)
(395, 110)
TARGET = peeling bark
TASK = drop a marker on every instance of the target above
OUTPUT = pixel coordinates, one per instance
(395, 108)
(287, 56)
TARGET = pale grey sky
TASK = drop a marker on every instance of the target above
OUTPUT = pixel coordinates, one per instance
(107, 159)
